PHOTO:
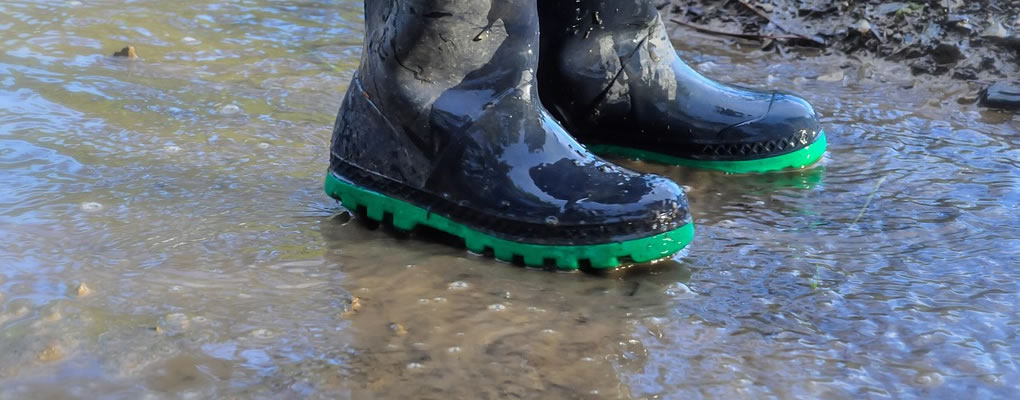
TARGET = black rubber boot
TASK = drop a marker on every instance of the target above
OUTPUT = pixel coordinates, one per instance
(442, 126)
(611, 75)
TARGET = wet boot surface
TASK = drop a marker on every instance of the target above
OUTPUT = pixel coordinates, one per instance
(442, 128)
(611, 75)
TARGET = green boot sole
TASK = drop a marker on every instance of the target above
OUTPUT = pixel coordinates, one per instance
(797, 159)
(406, 216)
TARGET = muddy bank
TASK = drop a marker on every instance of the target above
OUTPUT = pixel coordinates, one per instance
(970, 41)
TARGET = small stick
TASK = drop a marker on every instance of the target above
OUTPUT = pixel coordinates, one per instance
(769, 19)
(705, 29)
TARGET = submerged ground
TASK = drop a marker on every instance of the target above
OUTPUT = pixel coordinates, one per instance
(183, 189)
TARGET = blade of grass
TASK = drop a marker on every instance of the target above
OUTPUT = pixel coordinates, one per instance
(868, 202)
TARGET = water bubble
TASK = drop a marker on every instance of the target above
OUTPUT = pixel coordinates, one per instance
(262, 333)
(263, 145)
(171, 149)
(504, 204)
(230, 109)
(91, 206)
(497, 307)
(188, 40)
(552, 221)
(174, 323)
(415, 365)
(454, 349)
(929, 379)
(458, 285)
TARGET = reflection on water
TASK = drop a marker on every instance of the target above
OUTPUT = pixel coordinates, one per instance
(183, 189)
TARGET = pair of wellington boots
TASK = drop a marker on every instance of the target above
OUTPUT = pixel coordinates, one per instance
(463, 118)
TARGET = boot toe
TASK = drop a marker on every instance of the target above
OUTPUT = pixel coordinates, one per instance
(647, 203)
(789, 125)
(607, 201)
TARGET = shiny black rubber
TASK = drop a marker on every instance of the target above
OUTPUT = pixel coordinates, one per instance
(444, 114)
(610, 73)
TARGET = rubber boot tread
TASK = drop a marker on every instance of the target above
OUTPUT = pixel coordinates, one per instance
(406, 216)
(797, 159)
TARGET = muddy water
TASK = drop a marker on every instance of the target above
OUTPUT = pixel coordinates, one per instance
(163, 235)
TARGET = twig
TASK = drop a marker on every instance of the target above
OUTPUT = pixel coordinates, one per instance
(868, 202)
(771, 21)
(752, 36)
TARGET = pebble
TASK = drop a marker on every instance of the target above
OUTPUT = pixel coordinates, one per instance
(995, 30)
(415, 365)
(262, 333)
(91, 206)
(1001, 95)
(863, 26)
(190, 41)
(52, 352)
(454, 349)
(458, 285)
(172, 149)
(127, 52)
(82, 290)
(832, 77)
(173, 324)
(263, 145)
(352, 308)
(53, 316)
(497, 307)
(398, 329)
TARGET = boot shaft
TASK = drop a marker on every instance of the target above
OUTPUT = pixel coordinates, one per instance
(430, 69)
(418, 49)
